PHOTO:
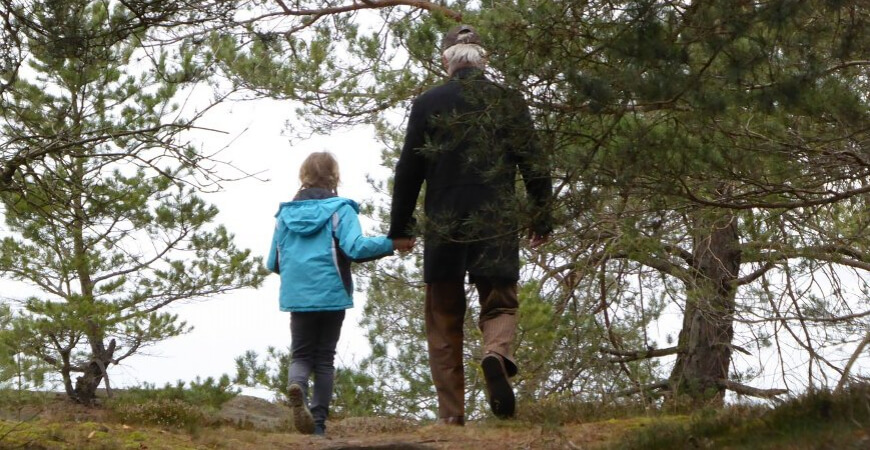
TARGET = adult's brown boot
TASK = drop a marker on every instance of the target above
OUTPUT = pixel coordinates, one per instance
(501, 395)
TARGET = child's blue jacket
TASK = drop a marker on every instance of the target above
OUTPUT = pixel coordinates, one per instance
(312, 248)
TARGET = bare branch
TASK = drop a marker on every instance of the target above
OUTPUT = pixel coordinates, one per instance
(317, 13)
(750, 391)
(749, 278)
(658, 386)
(284, 7)
(857, 353)
(130, 352)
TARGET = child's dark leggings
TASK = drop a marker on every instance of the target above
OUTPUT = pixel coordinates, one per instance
(315, 335)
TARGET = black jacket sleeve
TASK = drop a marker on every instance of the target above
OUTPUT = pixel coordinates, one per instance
(535, 168)
(409, 175)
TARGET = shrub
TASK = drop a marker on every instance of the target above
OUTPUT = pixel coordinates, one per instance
(819, 419)
(183, 405)
(206, 393)
(161, 412)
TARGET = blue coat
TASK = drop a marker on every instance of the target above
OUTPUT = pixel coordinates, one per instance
(312, 247)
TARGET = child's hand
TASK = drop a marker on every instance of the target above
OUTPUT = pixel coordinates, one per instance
(404, 245)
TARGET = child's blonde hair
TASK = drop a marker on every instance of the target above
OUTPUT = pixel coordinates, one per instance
(320, 170)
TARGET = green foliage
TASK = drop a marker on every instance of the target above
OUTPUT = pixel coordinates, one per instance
(188, 406)
(270, 373)
(561, 409)
(100, 191)
(358, 394)
(667, 123)
(355, 392)
(393, 319)
(7, 350)
(208, 393)
(165, 412)
(19, 371)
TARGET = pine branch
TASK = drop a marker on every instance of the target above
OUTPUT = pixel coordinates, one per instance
(311, 16)
(754, 275)
(825, 72)
(825, 199)
(805, 318)
(371, 4)
(628, 356)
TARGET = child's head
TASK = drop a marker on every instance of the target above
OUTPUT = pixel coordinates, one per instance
(320, 170)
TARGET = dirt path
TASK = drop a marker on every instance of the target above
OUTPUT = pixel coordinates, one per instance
(254, 423)
(389, 433)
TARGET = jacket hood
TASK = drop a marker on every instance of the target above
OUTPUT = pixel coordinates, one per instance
(309, 216)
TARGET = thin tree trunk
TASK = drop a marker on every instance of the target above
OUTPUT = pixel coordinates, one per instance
(94, 371)
(65, 373)
(709, 314)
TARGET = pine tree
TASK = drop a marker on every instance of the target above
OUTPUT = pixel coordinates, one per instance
(102, 205)
(711, 162)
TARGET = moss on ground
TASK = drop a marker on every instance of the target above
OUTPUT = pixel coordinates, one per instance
(816, 420)
(40, 434)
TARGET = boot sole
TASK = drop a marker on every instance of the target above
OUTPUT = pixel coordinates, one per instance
(501, 395)
(303, 421)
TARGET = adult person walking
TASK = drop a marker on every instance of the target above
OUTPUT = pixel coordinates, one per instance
(465, 139)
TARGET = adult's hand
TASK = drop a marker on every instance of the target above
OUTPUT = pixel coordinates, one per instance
(404, 244)
(536, 240)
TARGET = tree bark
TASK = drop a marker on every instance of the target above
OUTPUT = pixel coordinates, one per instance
(65, 374)
(705, 338)
(95, 373)
(86, 384)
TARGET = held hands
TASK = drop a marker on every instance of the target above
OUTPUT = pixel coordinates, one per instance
(404, 244)
(536, 240)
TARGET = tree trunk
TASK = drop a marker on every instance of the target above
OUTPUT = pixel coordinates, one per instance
(94, 371)
(708, 321)
(94, 374)
(65, 374)
(87, 384)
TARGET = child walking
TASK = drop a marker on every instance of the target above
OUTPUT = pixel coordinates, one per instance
(317, 236)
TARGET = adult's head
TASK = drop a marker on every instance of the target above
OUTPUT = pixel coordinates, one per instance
(319, 170)
(461, 48)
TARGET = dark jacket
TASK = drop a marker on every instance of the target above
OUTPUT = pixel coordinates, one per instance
(466, 139)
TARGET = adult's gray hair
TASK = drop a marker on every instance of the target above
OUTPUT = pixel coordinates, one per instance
(461, 56)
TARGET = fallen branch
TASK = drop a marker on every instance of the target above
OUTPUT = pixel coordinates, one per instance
(664, 385)
(733, 386)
